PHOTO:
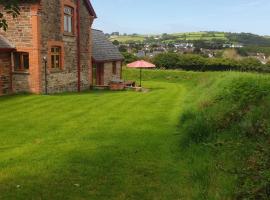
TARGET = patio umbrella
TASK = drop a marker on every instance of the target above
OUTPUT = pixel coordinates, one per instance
(141, 64)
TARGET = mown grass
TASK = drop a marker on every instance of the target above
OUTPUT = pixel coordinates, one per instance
(96, 145)
(113, 145)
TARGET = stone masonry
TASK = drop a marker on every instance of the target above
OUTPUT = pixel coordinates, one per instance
(108, 72)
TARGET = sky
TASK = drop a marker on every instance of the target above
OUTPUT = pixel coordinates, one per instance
(173, 16)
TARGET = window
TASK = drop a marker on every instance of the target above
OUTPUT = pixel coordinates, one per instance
(114, 68)
(21, 61)
(56, 57)
(68, 19)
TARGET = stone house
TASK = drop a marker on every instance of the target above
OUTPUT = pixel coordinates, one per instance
(56, 32)
(107, 60)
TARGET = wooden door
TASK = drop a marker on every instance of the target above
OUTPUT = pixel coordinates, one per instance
(100, 74)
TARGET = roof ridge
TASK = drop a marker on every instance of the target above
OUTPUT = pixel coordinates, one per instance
(93, 29)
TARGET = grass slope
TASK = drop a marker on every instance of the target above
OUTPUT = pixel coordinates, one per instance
(116, 145)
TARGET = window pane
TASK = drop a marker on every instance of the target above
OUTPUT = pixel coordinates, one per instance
(57, 61)
(114, 68)
(56, 57)
(65, 23)
(69, 24)
(17, 61)
(68, 19)
(53, 62)
(68, 10)
(26, 61)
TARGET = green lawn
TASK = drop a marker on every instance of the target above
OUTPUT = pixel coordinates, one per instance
(107, 145)
(114, 145)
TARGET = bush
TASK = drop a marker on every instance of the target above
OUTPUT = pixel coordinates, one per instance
(250, 64)
(191, 62)
(129, 58)
(198, 63)
(166, 60)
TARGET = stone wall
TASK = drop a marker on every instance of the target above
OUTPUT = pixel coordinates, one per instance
(21, 82)
(86, 46)
(66, 79)
(108, 72)
(5, 65)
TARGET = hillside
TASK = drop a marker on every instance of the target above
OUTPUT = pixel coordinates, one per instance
(246, 39)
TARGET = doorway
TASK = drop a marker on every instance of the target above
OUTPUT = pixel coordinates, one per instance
(98, 74)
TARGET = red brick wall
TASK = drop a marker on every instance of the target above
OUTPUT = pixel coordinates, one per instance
(23, 32)
(20, 29)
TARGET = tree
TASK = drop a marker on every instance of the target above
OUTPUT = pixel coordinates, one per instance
(11, 7)
(166, 60)
(129, 57)
(122, 48)
(116, 42)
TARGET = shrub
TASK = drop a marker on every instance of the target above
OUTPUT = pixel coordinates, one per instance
(166, 60)
(191, 62)
(129, 57)
(250, 64)
(198, 63)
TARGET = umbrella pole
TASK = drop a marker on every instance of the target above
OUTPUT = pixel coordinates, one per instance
(140, 77)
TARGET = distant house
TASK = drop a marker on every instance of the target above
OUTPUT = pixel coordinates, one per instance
(140, 54)
(107, 60)
(232, 45)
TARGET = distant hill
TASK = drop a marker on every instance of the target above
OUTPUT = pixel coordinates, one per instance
(246, 39)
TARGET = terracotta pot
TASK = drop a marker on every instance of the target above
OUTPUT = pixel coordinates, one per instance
(117, 86)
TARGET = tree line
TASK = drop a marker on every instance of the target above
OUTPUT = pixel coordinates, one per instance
(194, 62)
(200, 63)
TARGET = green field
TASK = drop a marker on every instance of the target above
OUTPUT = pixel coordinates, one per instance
(180, 36)
(200, 36)
(118, 145)
(128, 38)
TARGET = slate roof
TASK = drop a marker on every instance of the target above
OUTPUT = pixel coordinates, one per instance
(5, 44)
(103, 49)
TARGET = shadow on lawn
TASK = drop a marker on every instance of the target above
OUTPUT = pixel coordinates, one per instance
(91, 168)
(14, 96)
(101, 172)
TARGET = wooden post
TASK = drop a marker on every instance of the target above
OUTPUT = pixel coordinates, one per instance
(140, 77)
